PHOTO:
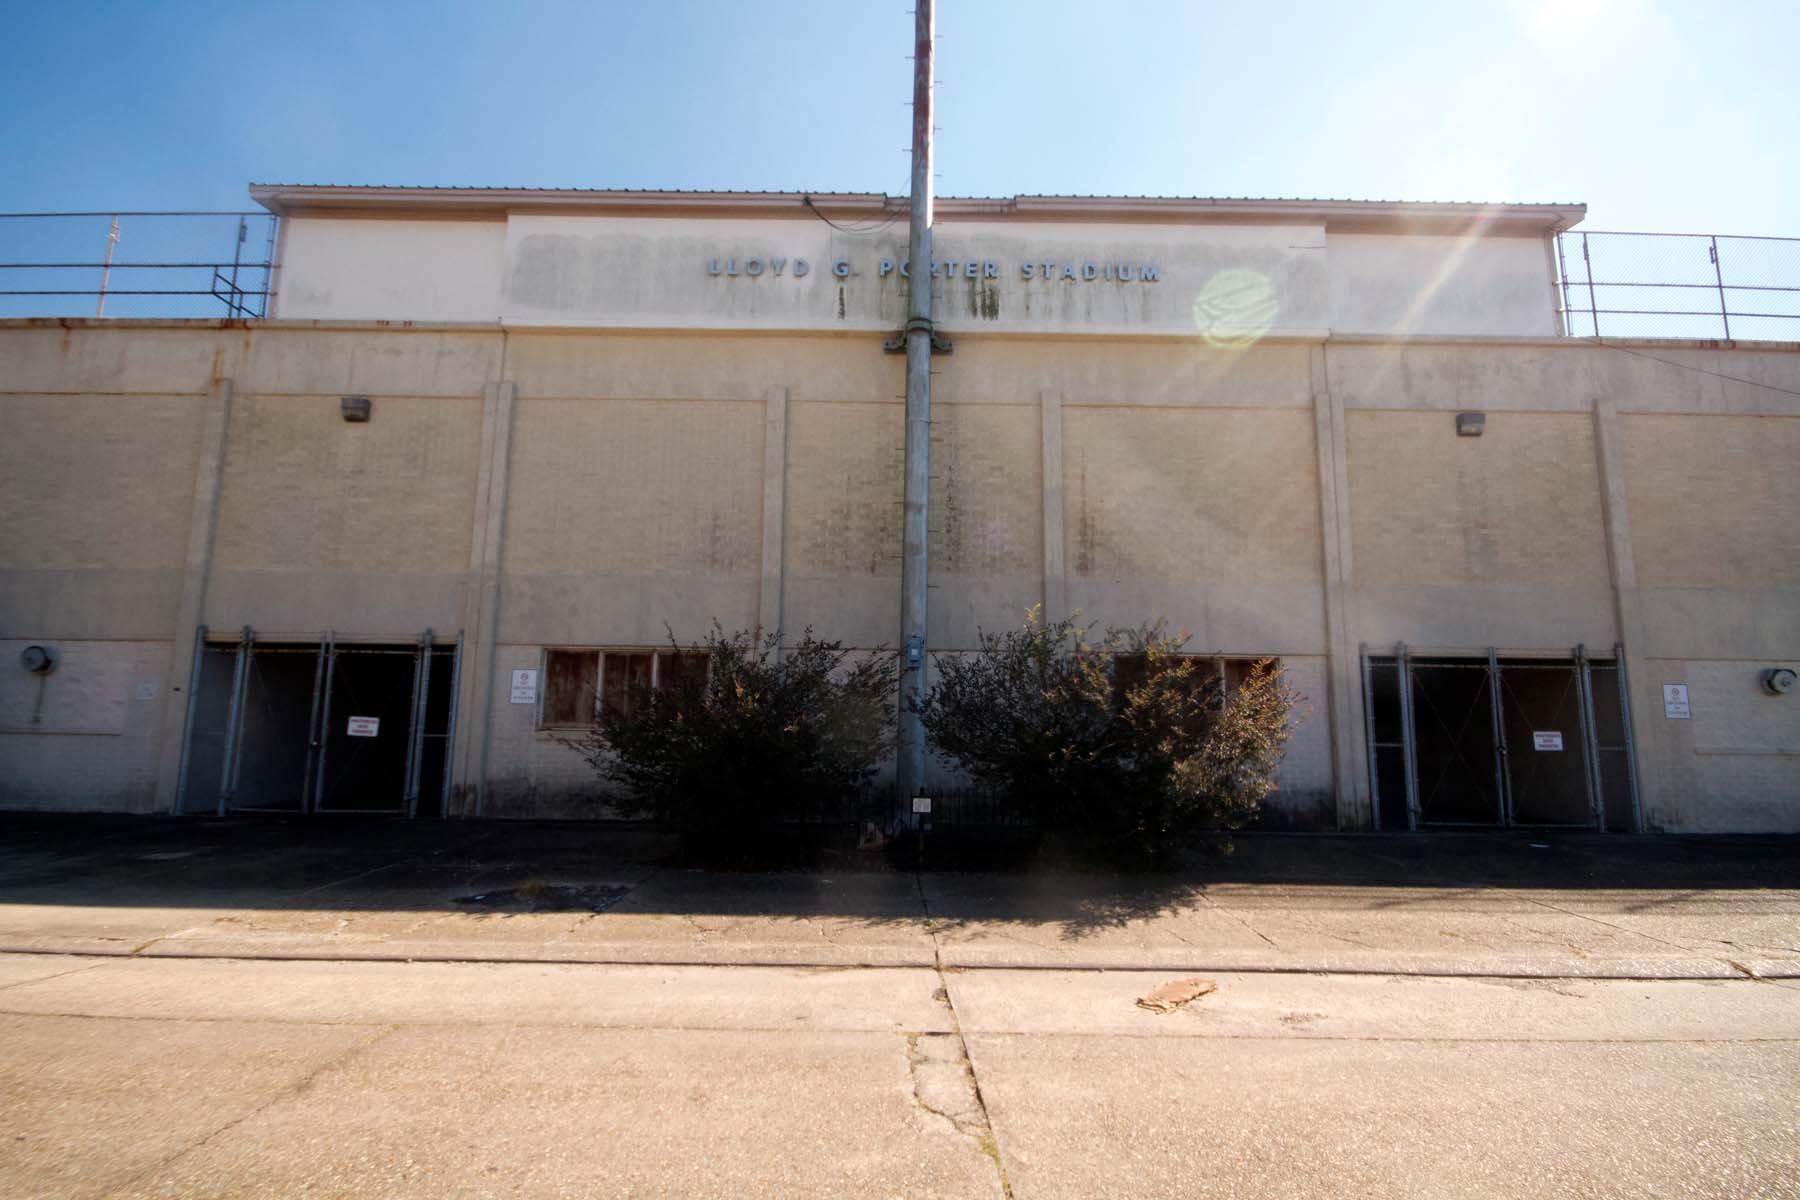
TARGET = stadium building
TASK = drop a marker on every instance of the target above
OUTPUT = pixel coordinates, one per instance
(380, 547)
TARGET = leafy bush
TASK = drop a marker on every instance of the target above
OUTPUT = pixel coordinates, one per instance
(764, 736)
(1122, 742)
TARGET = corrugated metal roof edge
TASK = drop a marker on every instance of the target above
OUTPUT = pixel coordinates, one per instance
(289, 198)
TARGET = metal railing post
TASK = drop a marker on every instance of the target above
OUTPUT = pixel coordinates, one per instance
(313, 728)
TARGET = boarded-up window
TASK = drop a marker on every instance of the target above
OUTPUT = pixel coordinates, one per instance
(581, 684)
(571, 683)
(627, 671)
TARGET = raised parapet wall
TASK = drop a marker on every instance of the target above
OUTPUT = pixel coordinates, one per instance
(1233, 273)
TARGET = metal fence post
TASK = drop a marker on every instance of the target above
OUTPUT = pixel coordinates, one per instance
(1406, 738)
(325, 720)
(1631, 772)
(1590, 746)
(187, 728)
(450, 730)
(313, 728)
(1593, 304)
(1712, 251)
(1368, 687)
(234, 721)
(1502, 767)
(416, 734)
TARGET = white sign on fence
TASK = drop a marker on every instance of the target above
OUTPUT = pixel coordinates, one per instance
(922, 804)
(1675, 702)
(364, 727)
(524, 687)
(1542, 739)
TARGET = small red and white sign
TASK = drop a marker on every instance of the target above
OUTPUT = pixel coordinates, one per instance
(364, 727)
(1546, 739)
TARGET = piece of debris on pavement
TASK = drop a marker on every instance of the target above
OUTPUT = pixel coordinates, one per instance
(1167, 997)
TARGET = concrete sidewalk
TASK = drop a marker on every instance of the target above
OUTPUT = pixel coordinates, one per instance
(1579, 906)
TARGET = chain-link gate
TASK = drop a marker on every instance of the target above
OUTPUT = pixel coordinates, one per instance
(325, 727)
(1457, 740)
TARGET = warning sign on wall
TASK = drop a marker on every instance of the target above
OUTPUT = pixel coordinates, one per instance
(524, 687)
(1546, 739)
(1675, 702)
(364, 727)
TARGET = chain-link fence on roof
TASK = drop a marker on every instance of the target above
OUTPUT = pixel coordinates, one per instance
(1679, 285)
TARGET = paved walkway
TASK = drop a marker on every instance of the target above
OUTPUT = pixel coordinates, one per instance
(240, 1010)
(1514, 905)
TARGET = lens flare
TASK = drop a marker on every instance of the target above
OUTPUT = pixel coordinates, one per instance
(1236, 308)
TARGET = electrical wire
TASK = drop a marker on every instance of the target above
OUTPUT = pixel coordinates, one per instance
(874, 227)
(1669, 362)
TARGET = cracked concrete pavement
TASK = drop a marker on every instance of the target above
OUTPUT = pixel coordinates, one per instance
(275, 1009)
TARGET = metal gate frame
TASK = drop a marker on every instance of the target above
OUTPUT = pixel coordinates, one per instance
(1506, 816)
(319, 724)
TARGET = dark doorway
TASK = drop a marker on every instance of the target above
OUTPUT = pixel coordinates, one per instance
(1490, 741)
(325, 727)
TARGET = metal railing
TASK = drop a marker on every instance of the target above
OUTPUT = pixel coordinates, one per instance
(136, 264)
(1679, 285)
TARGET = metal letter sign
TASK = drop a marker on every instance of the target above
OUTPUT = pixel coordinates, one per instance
(1546, 739)
(524, 687)
(364, 727)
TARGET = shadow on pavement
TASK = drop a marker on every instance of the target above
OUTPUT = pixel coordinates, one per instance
(346, 865)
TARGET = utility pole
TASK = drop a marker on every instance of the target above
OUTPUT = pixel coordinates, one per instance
(915, 554)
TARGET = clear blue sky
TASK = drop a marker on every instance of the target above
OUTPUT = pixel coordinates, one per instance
(1660, 115)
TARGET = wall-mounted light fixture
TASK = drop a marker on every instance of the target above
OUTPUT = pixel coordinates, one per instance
(1779, 681)
(356, 408)
(1470, 424)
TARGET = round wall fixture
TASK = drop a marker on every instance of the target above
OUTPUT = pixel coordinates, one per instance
(1779, 681)
(41, 660)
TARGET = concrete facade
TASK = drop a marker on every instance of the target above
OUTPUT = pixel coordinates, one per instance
(568, 477)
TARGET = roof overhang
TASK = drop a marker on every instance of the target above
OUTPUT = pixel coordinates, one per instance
(1371, 216)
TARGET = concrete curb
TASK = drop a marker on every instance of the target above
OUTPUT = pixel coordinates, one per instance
(278, 947)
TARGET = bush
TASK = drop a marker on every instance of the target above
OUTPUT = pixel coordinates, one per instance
(763, 737)
(1123, 742)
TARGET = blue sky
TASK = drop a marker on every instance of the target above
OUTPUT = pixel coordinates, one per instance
(1660, 115)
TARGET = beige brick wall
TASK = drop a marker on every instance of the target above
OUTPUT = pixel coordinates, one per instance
(1191, 493)
(635, 486)
(845, 467)
(1712, 499)
(82, 739)
(1518, 505)
(304, 489)
(102, 482)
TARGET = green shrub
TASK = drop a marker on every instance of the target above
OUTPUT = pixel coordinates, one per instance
(1123, 742)
(764, 737)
